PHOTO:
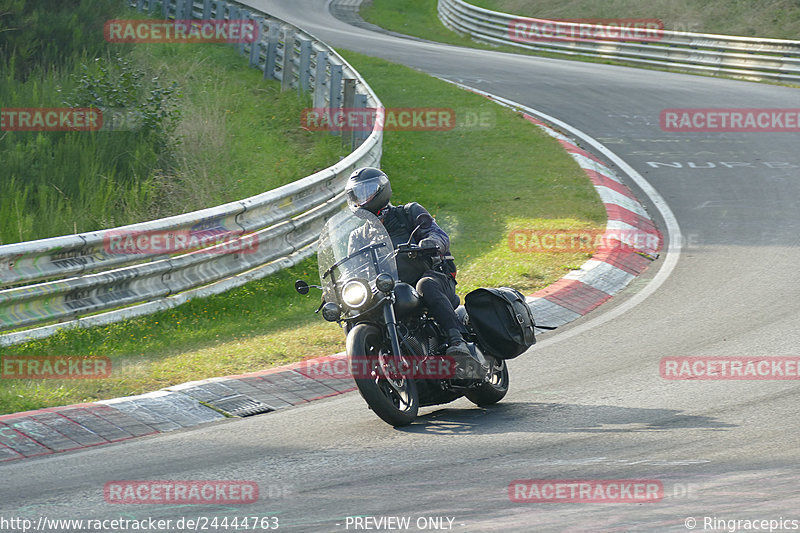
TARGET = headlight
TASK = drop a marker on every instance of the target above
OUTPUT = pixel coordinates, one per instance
(355, 293)
(384, 282)
(331, 311)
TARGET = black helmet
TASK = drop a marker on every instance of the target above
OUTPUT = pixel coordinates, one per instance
(368, 188)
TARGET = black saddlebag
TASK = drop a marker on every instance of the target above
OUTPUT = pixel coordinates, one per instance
(502, 321)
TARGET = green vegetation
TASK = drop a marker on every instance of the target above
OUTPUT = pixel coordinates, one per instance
(481, 181)
(209, 129)
(412, 17)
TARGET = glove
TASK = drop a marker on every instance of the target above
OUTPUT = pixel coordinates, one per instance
(428, 242)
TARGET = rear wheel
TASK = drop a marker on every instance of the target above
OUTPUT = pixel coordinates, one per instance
(493, 390)
(392, 397)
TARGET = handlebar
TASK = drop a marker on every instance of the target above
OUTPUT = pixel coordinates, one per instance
(416, 249)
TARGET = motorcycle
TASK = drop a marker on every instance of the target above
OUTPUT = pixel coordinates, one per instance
(395, 349)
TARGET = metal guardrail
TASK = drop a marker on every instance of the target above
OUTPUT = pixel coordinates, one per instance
(754, 58)
(70, 279)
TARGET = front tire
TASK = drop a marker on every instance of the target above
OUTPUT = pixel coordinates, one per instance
(493, 390)
(394, 400)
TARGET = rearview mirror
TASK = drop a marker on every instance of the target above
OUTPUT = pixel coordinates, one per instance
(301, 286)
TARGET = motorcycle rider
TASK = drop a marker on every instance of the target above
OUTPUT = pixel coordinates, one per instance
(433, 277)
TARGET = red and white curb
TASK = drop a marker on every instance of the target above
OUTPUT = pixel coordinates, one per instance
(60, 429)
(618, 260)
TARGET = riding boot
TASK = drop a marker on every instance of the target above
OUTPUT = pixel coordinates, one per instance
(468, 367)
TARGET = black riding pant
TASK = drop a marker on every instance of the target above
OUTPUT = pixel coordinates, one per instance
(438, 293)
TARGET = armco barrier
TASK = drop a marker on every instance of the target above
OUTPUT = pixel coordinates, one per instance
(754, 58)
(66, 281)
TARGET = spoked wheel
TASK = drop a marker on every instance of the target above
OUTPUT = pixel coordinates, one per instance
(391, 396)
(493, 390)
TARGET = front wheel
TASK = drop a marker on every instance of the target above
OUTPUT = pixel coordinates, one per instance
(493, 390)
(392, 397)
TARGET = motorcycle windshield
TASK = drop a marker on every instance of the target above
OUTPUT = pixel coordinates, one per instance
(353, 245)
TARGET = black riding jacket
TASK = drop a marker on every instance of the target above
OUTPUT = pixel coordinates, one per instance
(399, 221)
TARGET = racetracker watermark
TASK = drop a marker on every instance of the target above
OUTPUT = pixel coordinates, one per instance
(218, 241)
(366, 119)
(181, 492)
(531, 30)
(369, 367)
(730, 120)
(580, 241)
(730, 368)
(50, 119)
(585, 491)
(54, 367)
(370, 118)
(181, 31)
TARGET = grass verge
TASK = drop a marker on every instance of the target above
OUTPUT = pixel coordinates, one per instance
(481, 181)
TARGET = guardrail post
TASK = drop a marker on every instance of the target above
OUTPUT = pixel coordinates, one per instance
(206, 9)
(288, 59)
(242, 15)
(255, 46)
(165, 9)
(272, 50)
(140, 6)
(320, 79)
(220, 14)
(188, 10)
(335, 94)
(360, 102)
(348, 103)
(335, 98)
(335, 86)
(304, 72)
(233, 14)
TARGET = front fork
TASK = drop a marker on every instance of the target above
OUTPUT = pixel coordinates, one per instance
(391, 329)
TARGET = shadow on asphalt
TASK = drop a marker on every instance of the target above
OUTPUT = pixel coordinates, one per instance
(532, 417)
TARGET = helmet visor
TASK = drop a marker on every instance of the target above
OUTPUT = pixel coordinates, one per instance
(358, 194)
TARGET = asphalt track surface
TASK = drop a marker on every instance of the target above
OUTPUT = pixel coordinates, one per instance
(588, 402)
